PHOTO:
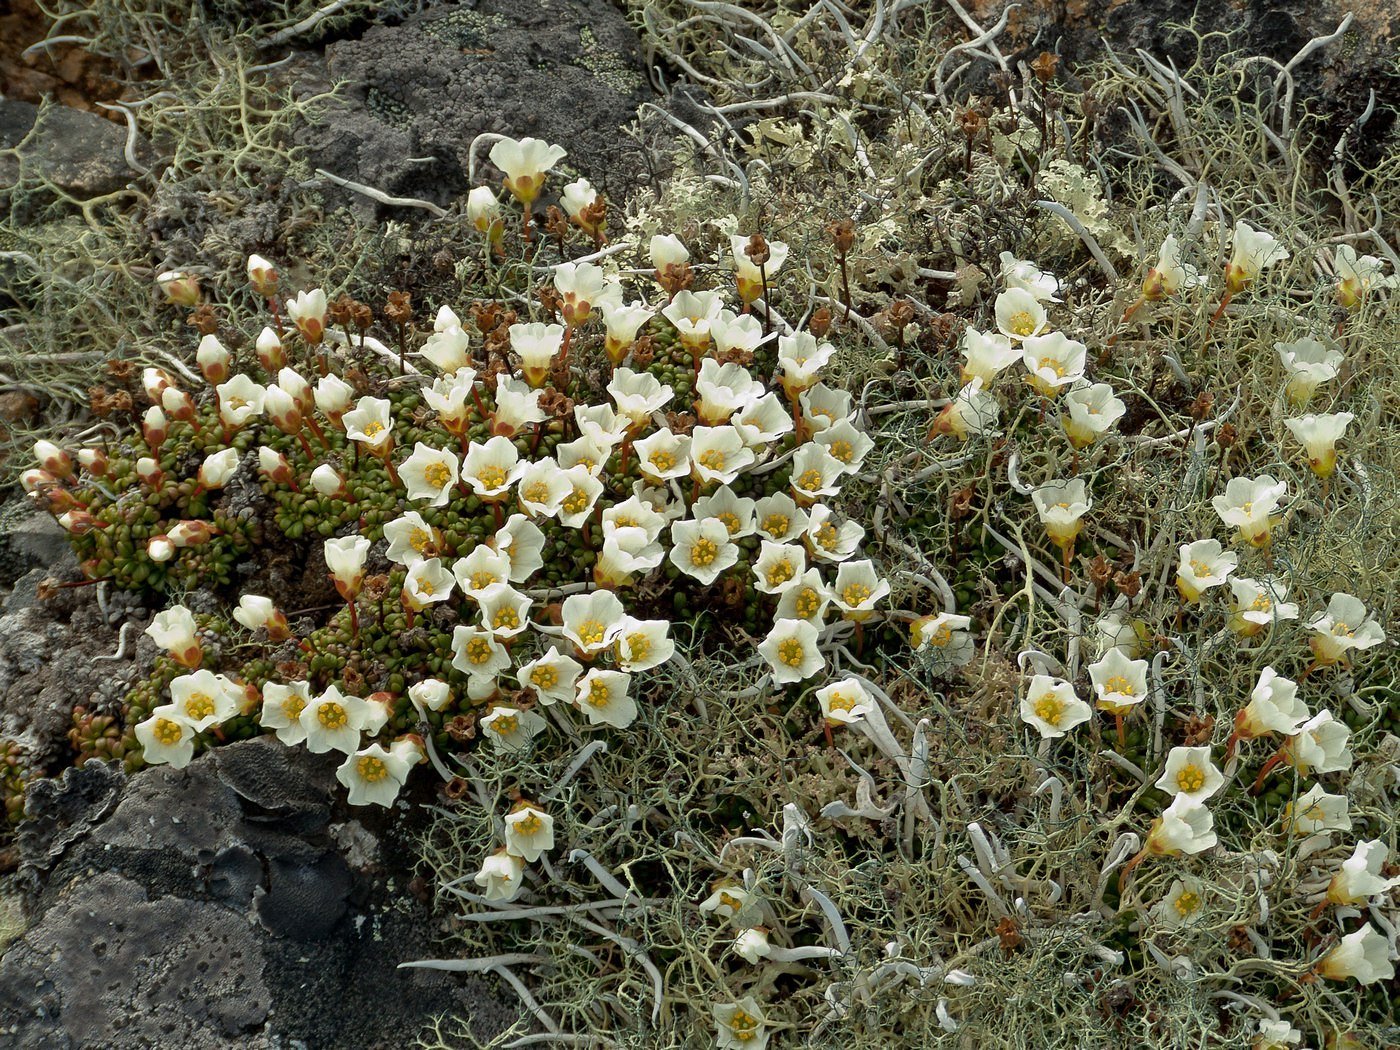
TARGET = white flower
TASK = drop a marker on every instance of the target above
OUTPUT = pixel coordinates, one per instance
(411, 539)
(262, 275)
(1185, 826)
(591, 621)
(525, 162)
(1254, 251)
(375, 775)
(577, 196)
(333, 396)
(728, 900)
(491, 468)
(174, 631)
(1247, 504)
(204, 699)
(582, 452)
(520, 540)
(240, 399)
(666, 250)
(643, 644)
(583, 287)
(511, 729)
(627, 551)
(333, 722)
(446, 350)
(213, 359)
(428, 582)
(282, 706)
(269, 350)
(779, 566)
(845, 702)
(731, 331)
(1170, 275)
(942, 631)
(1019, 314)
(1204, 564)
(751, 945)
(218, 468)
(1316, 811)
(1276, 1035)
(828, 541)
(1182, 905)
(542, 488)
(1319, 746)
(740, 1025)
(971, 411)
(1364, 955)
(484, 211)
(1361, 875)
(718, 454)
(529, 831)
(1051, 707)
(431, 694)
(737, 512)
(537, 345)
(1309, 364)
(1273, 707)
(747, 272)
(370, 423)
(702, 549)
(847, 444)
(986, 354)
(806, 598)
(553, 677)
(345, 558)
(256, 611)
(1357, 275)
(577, 505)
(1190, 772)
(166, 739)
(779, 518)
(638, 395)
(762, 422)
(815, 473)
(823, 406)
(1344, 627)
(724, 389)
(1119, 682)
(1259, 603)
(1319, 434)
(1062, 506)
(517, 406)
(791, 651)
(601, 423)
(691, 314)
(505, 612)
(800, 358)
(857, 589)
(1092, 410)
(622, 322)
(1018, 273)
(501, 877)
(308, 312)
(602, 696)
(429, 473)
(476, 652)
(1053, 361)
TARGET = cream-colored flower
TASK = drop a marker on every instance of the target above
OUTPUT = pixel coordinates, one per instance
(583, 288)
(857, 589)
(623, 322)
(511, 729)
(1273, 707)
(737, 512)
(666, 249)
(262, 276)
(218, 468)
(257, 612)
(847, 444)
(747, 273)
(730, 900)
(1185, 826)
(1019, 314)
(779, 566)
(1345, 626)
(800, 359)
(1019, 273)
(1053, 362)
(1247, 505)
(702, 549)
(583, 452)
(529, 831)
(517, 406)
(334, 721)
(828, 541)
(1170, 275)
(779, 518)
(1362, 875)
(806, 598)
(427, 583)
(308, 312)
(1183, 904)
(1191, 772)
(205, 699)
(1258, 604)
(1119, 682)
(971, 411)
(1309, 364)
(718, 454)
(1204, 564)
(553, 677)
(431, 694)
(491, 468)
(740, 1025)
(577, 505)
(944, 631)
(815, 473)
(334, 397)
(663, 455)
(691, 314)
(522, 541)
(271, 354)
(240, 399)
(986, 354)
(1051, 707)
(371, 423)
(542, 488)
(1276, 1035)
(505, 612)
(282, 706)
(643, 644)
(723, 390)
(845, 702)
(1253, 252)
(1062, 506)
(627, 551)
(1363, 956)
(446, 350)
(525, 163)
(166, 738)
(484, 211)
(345, 558)
(602, 696)
(375, 775)
(791, 651)
(429, 474)
(1319, 434)
(476, 652)
(1319, 746)
(1090, 411)
(577, 198)
(762, 422)
(591, 621)
(1316, 811)
(824, 406)
(537, 345)
(638, 395)
(174, 630)
(213, 359)
(751, 945)
(1357, 275)
(411, 539)
(501, 877)
(731, 331)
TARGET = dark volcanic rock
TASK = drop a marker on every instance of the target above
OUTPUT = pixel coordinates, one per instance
(78, 152)
(563, 70)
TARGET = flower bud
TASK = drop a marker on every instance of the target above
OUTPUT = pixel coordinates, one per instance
(179, 287)
(148, 470)
(216, 469)
(190, 533)
(283, 410)
(213, 359)
(262, 275)
(77, 522)
(484, 212)
(32, 480)
(333, 397)
(270, 353)
(274, 466)
(93, 460)
(53, 459)
(154, 381)
(255, 611)
(177, 404)
(327, 482)
(153, 427)
(160, 549)
(174, 630)
(290, 380)
(308, 313)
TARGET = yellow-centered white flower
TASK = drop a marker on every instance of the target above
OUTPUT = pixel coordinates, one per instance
(1253, 251)
(1308, 364)
(1345, 627)
(1119, 682)
(1053, 362)
(411, 539)
(1273, 707)
(428, 582)
(529, 831)
(240, 399)
(1247, 505)
(1203, 564)
(1090, 411)
(371, 423)
(1185, 826)
(1257, 604)
(204, 699)
(1362, 875)
(1319, 434)
(282, 706)
(1315, 810)
(791, 651)
(524, 163)
(858, 589)
(1019, 314)
(602, 697)
(334, 721)
(501, 877)
(1190, 772)
(1319, 746)
(1062, 506)
(165, 738)
(375, 775)
(845, 702)
(553, 677)
(511, 729)
(1051, 707)
(492, 467)
(702, 549)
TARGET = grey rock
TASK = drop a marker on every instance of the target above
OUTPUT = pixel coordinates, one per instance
(30, 538)
(78, 152)
(563, 70)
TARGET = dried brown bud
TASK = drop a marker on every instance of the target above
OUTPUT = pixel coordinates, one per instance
(556, 223)
(680, 422)
(1009, 934)
(735, 355)
(971, 122)
(121, 369)
(354, 681)
(961, 504)
(204, 320)
(455, 789)
(820, 322)
(342, 310)
(1198, 730)
(1044, 66)
(675, 277)
(643, 351)
(443, 262)
(363, 316)
(901, 314)
(375, 587)
(594, 217)
(1100, 571)
(461, 728)
(843, 235)
(757, 250)
(47, 589)
(399, 308)
(556, 405)
(550, 299)
(1200, 408)
(1128, 583)
(1227, 435)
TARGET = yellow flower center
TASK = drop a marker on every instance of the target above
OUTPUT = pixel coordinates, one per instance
(598, 693)
(711, 459)
(731, 521)
(1119, 684)
(790, 652)
(1049, 709)
(591, 633)
(544, 677)
(199, 705)
(481, 580)
(1022, 323)
(1190, 778)
(235, 402)
(776, 525)
(855, 594)
(575, 502)
(940, 637)
(537, 492)
(841, 702)
(1247, 506)
(828, 538)
(1340, 627)
(744, 1026)
(167, 731)
(1261, 604)
(1200, 568)
(662, 460)
(506, 618)
(332, 715)
(730, 901)
(478, 650)
(703, 552)
(530, 824)
(505, 725)
(371, 769)
(373, 428)
(1049, 364)
(425, 587)
(639, 645)
(418, 539)
(810, 480)
(807, 603)
(1187, 903)
(780, 572)
(437, 475)
(491, 477)
(625, 521)
(293, 706)
(842, 450)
